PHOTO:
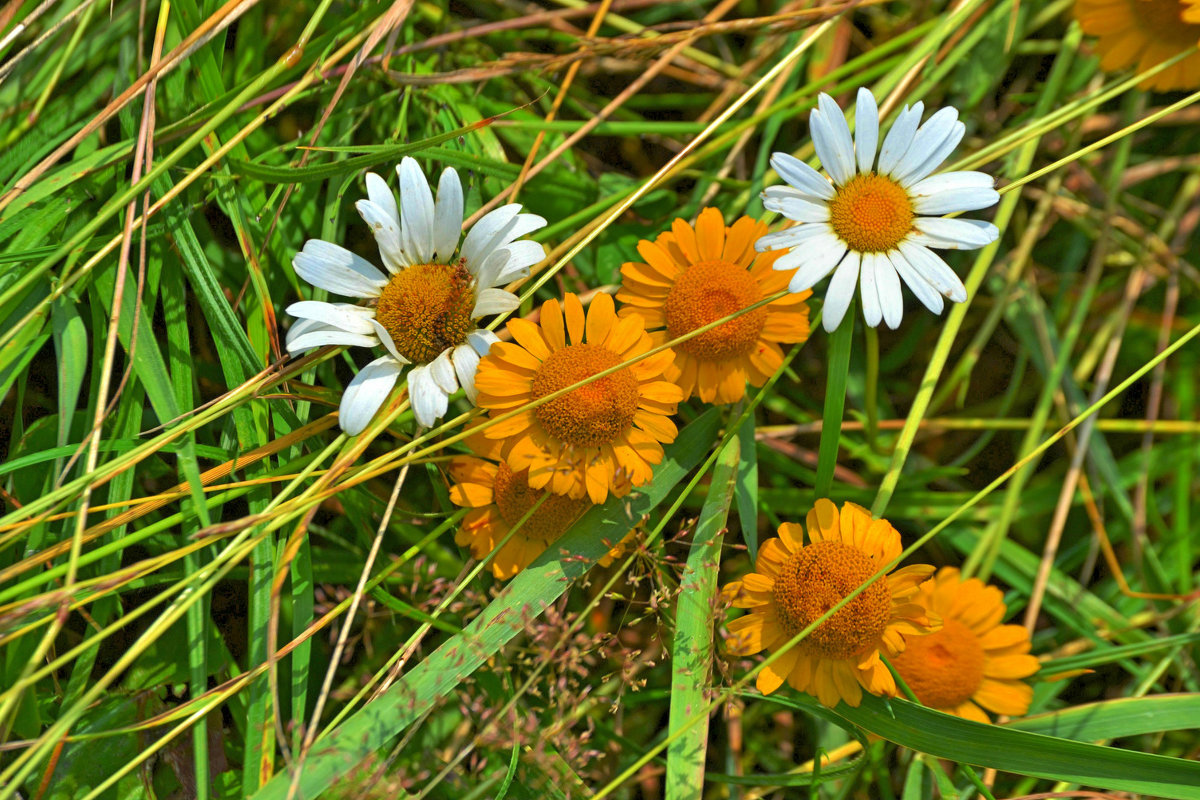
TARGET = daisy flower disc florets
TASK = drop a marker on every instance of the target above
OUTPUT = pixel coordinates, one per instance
(603, 436)
(974, 662)
(423, 311)
(692, 277)
(1144, 33)
(794, 584)
(873, 225)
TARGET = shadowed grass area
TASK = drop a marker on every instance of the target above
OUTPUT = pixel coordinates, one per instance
(208, 590)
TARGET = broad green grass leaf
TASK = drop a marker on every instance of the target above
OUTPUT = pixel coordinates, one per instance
(692, 651)
(1111, 719)
(532, 590)
(1009, 750)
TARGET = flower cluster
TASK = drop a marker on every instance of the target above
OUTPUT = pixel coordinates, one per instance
(942, 635)
(578, 397)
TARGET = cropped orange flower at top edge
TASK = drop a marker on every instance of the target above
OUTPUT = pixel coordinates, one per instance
(1144, 33)
(794, 584)
(594, 439)
(973, 660)
(694, 276)
(498, 498)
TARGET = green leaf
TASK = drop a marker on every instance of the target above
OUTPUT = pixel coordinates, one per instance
(1111, 719)
(835, 401)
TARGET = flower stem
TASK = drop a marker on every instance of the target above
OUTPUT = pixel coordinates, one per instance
(835, 401)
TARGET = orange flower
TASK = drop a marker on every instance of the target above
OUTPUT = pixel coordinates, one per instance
(693, 277)
(498, 499)
(593, 439)
(973, 660)
(794, 584)
(1143, 33)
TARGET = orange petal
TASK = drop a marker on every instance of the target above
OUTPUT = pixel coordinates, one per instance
(710, 234)
(823, 522)
(1004, 697)
(659, 260)
(552, 325)
(573, 311)
(601, 317)
(1011, 667)
(529, 336)
(772, 676)
(685, 237)
(791, 534)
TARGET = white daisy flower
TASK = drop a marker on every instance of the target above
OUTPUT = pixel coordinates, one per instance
(877, 218)
(423, 312)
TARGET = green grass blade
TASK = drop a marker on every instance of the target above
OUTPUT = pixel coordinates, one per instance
(692, 653)
(1008, 750)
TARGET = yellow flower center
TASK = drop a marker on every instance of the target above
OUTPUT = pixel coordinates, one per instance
(514, 498)
(816, 579)
(944, 669)
(871, 213)
(591, 415)
(1162, 19)
(427, 308)
(705, 293)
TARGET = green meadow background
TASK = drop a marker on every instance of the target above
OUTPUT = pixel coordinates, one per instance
(206, 591)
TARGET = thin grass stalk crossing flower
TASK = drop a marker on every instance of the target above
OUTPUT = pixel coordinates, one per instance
(876, 220)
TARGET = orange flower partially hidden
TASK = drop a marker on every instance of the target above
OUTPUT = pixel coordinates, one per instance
(1144, 33)
(973, 660)
(794, 584)
(593, 439)
(498, 499)
(693, 277)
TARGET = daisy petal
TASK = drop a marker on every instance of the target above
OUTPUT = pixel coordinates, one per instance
(939, 153)
(795, 208)
(887, 283)
(335, 269)
(441, 369)
(482, 340)
(486, 234)
(916, 283)
(789, 238)
(866, 129)
(416, 212)
(429, 402)
(800, 175)
(872, 311)
(447, 216)
(820, 256)
(346, 317)
(521, 255)
(326, 336)
(899, 137)
(927, 142)
(466, 363)
(840, 292)
(385, 339)
(494, 301)
(380, 216)
(831, 138)
(932, 268)
(366, 393)
(951, 192)
(953, 234)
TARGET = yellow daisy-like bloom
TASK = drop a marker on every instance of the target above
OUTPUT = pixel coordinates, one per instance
(694, 276)
(1143, 33)
(794, 584)
(973, 660)
(593, 439)
(498, 498)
